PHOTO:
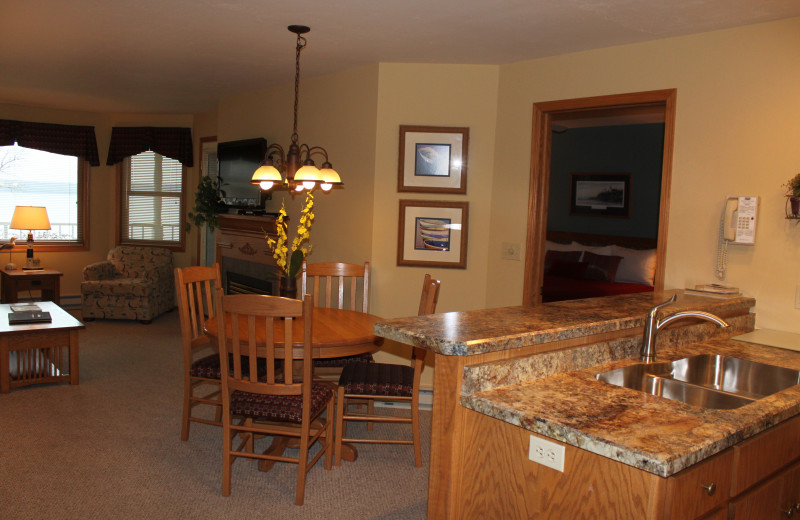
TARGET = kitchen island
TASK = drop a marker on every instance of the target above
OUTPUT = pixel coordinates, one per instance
(486, 350)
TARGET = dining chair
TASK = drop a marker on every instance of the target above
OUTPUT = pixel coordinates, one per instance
(342, 286)
(194, 288)
(281, 403)
(385, 382)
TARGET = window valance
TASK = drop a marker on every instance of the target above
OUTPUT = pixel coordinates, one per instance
(175, 143)
(79, 141)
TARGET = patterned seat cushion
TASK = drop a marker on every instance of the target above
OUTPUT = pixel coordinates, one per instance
(377, 379)
(208, 367)
(343, 361)
(284, 408)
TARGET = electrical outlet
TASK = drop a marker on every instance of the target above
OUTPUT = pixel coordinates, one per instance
(546, 453)
(511, 251)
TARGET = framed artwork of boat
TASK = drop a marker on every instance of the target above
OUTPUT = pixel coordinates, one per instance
(433, 233)
(433, 159)
(600, 194)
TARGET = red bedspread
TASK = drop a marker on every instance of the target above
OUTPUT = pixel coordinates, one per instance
(556, 288)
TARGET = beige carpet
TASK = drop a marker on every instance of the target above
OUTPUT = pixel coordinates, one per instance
(110, 448)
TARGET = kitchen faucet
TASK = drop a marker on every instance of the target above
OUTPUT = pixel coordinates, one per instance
(652, 326)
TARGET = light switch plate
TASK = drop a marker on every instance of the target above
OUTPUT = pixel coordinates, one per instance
(511, 251)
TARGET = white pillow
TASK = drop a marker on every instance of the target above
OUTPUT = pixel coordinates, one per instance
(636, 266)
(598, 250)
(558, 246)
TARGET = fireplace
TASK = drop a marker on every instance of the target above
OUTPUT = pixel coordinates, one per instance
(245, 260)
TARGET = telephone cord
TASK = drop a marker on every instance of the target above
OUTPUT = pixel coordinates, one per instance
(722, 251)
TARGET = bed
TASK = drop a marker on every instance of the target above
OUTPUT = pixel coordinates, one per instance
(583, 265)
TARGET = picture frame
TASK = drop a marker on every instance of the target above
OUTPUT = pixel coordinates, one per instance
(433, 159)
(433, 233)
(600, 194)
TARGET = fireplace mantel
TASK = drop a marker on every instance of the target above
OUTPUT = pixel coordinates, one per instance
(242, 237)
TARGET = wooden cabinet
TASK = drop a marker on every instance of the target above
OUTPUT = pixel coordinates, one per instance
(756, 479)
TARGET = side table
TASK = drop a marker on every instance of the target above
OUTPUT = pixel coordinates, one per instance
(48, 281)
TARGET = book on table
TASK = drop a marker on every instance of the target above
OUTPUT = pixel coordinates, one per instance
(716, 288)
(17, 318)
(25, 307)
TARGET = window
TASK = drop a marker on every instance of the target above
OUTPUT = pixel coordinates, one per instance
(151, 210)
(31, 177)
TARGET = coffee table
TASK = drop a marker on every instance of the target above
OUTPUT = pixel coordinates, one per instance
(35, 353)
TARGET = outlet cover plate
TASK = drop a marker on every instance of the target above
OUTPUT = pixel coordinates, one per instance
(547, 453)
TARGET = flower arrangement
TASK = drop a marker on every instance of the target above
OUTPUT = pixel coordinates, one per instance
(793, 186)
(280, 250)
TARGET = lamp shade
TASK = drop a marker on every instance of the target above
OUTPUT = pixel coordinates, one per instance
(30, 217)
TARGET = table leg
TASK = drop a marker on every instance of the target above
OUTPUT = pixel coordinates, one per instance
(73, 357)
(276, 448)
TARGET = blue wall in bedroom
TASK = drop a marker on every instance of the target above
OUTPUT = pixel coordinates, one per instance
(634, 149)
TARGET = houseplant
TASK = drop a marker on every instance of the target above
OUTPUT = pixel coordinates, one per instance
(207, 203)
(793, 193)
(290, 264)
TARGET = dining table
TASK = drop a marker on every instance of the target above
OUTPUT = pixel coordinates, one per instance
(334, 333)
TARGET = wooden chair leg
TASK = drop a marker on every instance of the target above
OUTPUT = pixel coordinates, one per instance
(329, 434)
(227, 461)
(415, 432)
(370, 411)
(302, 466)
(187, 392)
(339, 434)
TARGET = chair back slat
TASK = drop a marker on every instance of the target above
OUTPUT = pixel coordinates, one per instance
(257, 341)
(335, 283)
(429, 297)
(194, 289)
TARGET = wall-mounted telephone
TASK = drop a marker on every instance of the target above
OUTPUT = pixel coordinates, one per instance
(737, 226)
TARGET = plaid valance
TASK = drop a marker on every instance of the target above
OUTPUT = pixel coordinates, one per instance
(61, 139)
(175, 143)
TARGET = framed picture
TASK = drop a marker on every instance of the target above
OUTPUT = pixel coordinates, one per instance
(433, 159)
(600, 194)
(433, 233)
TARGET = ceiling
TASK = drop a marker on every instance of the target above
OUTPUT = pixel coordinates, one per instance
(182, 56)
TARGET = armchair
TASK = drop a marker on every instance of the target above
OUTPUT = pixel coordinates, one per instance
(133, 283)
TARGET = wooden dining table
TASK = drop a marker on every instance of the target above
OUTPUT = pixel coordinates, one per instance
(334, 333)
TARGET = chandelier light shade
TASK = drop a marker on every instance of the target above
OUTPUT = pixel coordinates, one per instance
(294, 169)
(30, 218)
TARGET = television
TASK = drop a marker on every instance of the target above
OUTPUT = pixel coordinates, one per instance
(237, 162)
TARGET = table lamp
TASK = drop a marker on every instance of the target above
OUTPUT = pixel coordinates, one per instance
(30, 218)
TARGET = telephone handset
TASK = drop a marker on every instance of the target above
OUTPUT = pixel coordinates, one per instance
(737, 226)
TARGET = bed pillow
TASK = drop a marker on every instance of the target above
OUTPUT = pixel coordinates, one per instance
(551, 257)
(637, 265)
(560, 246)
(564, 269)
(598, 250)
(601, 267)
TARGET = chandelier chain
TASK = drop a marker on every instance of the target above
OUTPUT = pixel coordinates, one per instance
(301, 43)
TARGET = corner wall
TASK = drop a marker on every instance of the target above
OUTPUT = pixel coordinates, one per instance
(736, 133)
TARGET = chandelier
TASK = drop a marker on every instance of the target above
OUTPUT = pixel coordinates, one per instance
(295, 168)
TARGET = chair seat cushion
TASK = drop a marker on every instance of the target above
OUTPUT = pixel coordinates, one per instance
(283, 408)
(377, 379)
(208, 367)
(343, 361)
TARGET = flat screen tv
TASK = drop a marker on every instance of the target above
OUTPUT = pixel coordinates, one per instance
(237, 162)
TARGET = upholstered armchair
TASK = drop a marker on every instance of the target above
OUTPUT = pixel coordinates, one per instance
(133, 283)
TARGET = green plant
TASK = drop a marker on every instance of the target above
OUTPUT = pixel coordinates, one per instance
(793, 186)
(207, 203)
(291, 266)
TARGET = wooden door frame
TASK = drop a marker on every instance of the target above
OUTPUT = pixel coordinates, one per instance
(540, 176)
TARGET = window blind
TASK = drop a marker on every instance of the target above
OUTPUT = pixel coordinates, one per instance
(151, 210)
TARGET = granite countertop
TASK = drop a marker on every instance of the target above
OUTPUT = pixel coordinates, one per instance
(651, 433)
(489, 330)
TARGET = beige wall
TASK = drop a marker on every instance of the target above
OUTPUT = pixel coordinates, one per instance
(736, 133)
(337, 112)
(102, 184)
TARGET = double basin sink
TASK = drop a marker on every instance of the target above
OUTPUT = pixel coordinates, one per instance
(706, 380)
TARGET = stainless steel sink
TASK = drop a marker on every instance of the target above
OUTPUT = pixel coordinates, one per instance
(706, 380)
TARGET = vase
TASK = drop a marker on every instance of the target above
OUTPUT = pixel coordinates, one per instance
(287, 287)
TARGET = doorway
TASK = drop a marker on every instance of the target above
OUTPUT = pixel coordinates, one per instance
(548, 114)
